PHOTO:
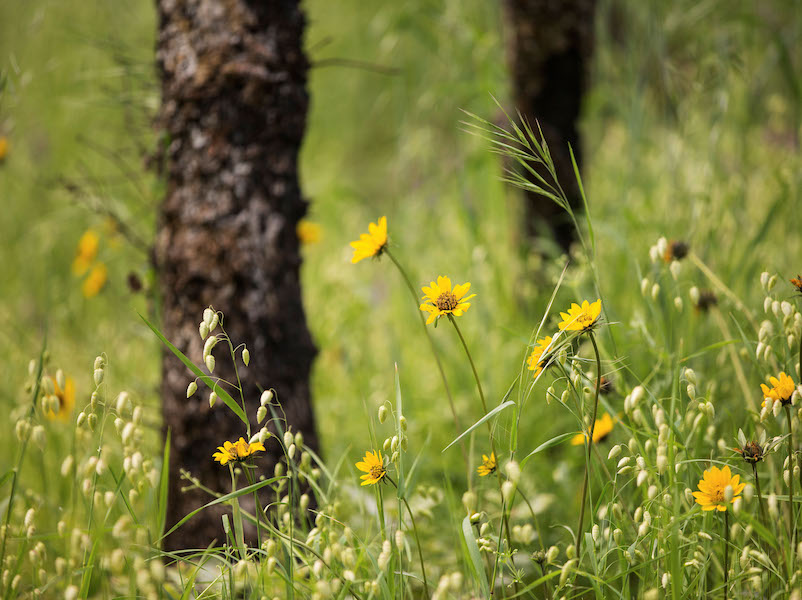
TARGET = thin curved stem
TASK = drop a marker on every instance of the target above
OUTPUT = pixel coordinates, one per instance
(590, 447)
(726, 552)
(791, 520)
(759, 496)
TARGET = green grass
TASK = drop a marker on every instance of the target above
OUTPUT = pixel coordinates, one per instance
(691, 132)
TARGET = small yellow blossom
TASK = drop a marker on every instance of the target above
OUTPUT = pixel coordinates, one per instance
(308, 232)
(580, 318)
(441, 300)
(488, 465)
(781, 389)
(602, 429)
(86, 252)
(95, 281)
(373, 466)
(66, 400)
(712, 488)
(534, 362)
(3, 147)
(237, 451)
(372, 243)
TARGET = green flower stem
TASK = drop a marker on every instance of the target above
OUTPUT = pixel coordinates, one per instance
(257, 506)
(759, 496)
(726, 552)
(415, 532)
(590, 447)
(411, 289)
(791, 520)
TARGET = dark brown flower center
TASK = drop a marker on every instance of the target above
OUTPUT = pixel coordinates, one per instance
(446, 301)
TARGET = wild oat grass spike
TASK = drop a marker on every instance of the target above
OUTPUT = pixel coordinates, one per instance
(712, 494)
(488, 465)
(580, 318)
(372, 243)
(373, 466)
(237, 451)
(781, 389)
(534, 361)
(602, 429)
(440, 299)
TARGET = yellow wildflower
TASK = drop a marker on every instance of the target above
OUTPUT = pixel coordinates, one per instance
(488, 465)
(95, 281)
(308, 232)
(781, 389)
(372, 243)
(713, 486)
(3, 147)
(580, 318)
(373, 466)
(66, 400)
(534, 362)
(237, 451)
(602, 429)
(441, 300)
(86, 252)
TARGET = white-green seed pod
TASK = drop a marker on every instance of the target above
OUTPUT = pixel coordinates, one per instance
(771, 283)
(394, 443)
(246, 356)
(39, 436)
(291, 451)
(386, 444)
(123, 403)
(508, 490)
(652, 594)
(208, 313)
(266, 397)
(651, 493)
(595, 533)
(288, 438)
(261, 414)
(618, 536)
(100, 363)
(209, 360)
(693, 294)
(212, 399)
(98, 376)
(469, 501)
(614, 452)
(382, 414)
(60, 379)
(303, 502)
(729, 493)
(570, 551)
(513, 471)
(402, 421)
(214, 322)
(564, 397)
(655, 291)
(676, 269)
(191, 388)
(654, 254)
(399, 538)
(203, 330)
(777, 408)
(773, 510)
(209, 345)
(552, 554)
(677, 300)
(764, 278)
(271, 565)
(786, 308)
(566, 571)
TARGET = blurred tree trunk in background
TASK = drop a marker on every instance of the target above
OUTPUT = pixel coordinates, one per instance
(234, 104)
(549, 47)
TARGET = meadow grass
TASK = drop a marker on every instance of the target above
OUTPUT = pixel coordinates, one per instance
(692, 134)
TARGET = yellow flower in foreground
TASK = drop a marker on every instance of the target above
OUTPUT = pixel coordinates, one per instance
(308, 232)
(713, 486)
(441, 300)
(3, 147)
(534, 362)
(488, 465)
(86, 252)
(373, 466)
(580, 318)
(66, 400)
(95, 281)
(372, 243)
(238, 451)
(602, 429)
(781, 389)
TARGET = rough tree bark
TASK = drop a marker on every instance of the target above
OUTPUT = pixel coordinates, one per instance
(234, 104)
(549, 46)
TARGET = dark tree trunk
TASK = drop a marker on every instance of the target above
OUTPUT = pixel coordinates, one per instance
(234, 104)
(549, 46)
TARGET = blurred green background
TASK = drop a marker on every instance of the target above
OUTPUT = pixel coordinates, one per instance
(691, 129)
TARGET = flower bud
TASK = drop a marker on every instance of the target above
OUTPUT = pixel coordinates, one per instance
(614, 452)
(382, 413)
(552, 553)
(209, 360)
(98, 376)
(246, 356)
(570, 551)
(212, 399)
(191, 389)
(203, 330)
(402, 421)
(261, 414)
(266, 397)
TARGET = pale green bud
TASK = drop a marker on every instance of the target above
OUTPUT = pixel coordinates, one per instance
(382, 413)
(261, 413)
(246, 356)
(212, 399)
(266, 397)
(98, 376)
(203, 329)
(209, 360)
(402, 421)
(191, 389)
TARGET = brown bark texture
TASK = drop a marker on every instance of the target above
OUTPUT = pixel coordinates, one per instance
(549, 47)
(234, 104)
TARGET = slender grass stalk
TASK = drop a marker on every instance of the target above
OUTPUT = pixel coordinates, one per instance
(726, 552)
(590, 447)
(759, 497)
(791, 519)
(415, 532)
(411, 288)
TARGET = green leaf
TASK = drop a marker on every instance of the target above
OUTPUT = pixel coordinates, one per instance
(476, 557)
(164, 480)
(212, 384)
(488, 416)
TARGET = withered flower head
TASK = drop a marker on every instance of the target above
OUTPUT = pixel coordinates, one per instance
(752, 452)
(606, 385)
(707, 300)
(797, 283)
(676, 250)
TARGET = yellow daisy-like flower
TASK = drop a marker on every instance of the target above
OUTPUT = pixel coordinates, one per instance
(602, 429)
(441, 300)
(372, 243)
(373, 466)
(95, 281)
(580, 318)
(308, 232)
(66, 400)
(713, 486)
(237, 451)
(534, 362)
(488, 465)
(85, 252)
(3, 147)
(781, 389)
